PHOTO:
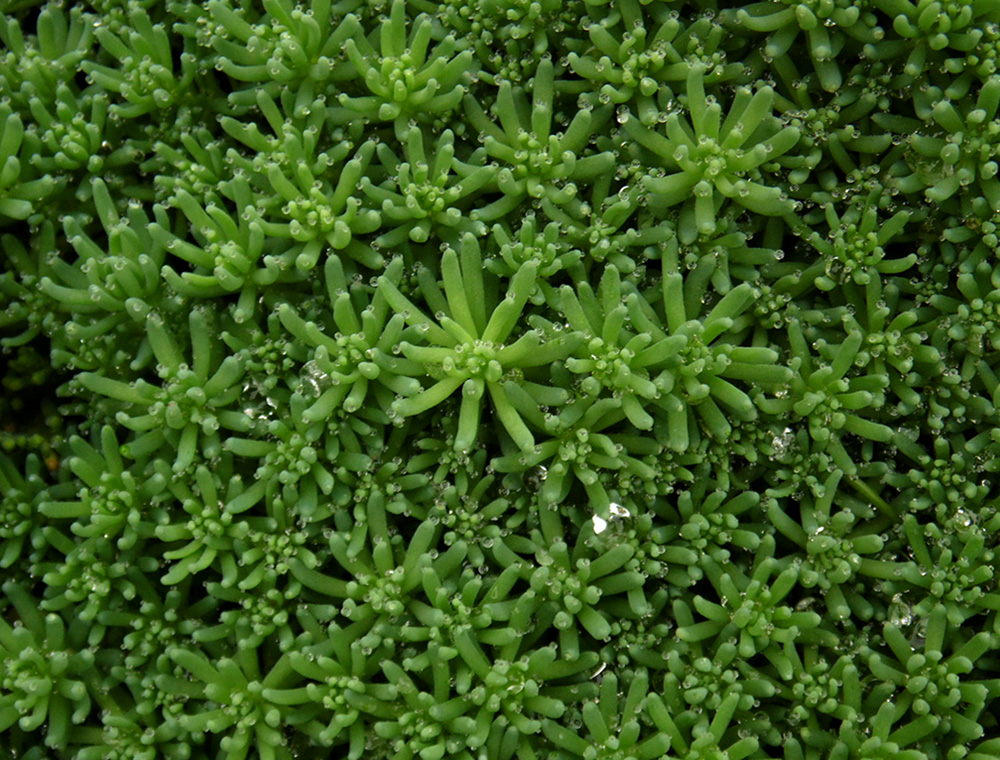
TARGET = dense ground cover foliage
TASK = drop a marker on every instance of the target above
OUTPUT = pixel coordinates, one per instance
(554, 379)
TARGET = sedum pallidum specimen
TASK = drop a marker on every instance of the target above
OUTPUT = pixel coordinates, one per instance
(551, 380)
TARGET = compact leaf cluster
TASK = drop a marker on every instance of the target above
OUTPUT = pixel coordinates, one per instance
(565, 379)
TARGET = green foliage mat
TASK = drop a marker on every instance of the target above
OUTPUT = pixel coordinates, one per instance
(556, 380)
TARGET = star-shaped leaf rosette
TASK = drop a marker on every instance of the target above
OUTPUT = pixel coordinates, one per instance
(468, 346)
(713, 159)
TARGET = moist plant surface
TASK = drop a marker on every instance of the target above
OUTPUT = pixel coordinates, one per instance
(551, 380)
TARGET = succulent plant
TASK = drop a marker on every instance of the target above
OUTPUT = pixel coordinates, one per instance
(499, 381)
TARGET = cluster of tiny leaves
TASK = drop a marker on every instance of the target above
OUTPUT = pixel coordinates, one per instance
(566, 379)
